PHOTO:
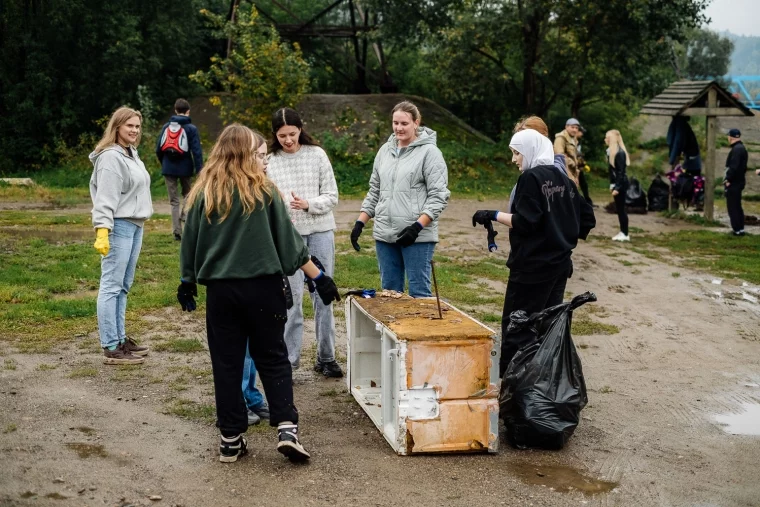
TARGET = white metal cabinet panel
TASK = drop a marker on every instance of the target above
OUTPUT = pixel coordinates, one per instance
(429, 385)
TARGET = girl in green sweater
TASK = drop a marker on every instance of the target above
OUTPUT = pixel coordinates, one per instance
(239, 242)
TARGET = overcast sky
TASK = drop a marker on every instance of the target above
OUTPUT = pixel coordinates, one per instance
(741, 17)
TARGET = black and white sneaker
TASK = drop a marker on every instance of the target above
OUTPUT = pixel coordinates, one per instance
(289, 444)
(230, 449)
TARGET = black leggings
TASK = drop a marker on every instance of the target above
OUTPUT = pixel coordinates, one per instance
(235, 311)
(622, 213)
(584, 185)
(532, 298)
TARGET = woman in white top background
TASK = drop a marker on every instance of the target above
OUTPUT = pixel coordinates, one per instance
(303, 173)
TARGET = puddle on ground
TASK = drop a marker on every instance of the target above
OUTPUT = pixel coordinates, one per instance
(745, 423)
(56, 496)
(87, 450)
(560, 478)
(52, 236)
(84, 429)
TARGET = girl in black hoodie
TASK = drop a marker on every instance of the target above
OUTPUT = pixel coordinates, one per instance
(546, 218)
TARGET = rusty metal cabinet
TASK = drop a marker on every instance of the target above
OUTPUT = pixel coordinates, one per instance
(430, 385)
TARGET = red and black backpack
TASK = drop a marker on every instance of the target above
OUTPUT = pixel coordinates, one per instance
(174, 141)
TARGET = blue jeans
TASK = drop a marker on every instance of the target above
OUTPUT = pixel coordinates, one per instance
(117, 272)
(253, 397)
(414, 261)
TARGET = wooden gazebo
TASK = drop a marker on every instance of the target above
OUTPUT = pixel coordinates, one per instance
(699, 98)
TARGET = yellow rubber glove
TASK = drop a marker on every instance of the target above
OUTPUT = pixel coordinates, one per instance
(587, 168)
(101, 241)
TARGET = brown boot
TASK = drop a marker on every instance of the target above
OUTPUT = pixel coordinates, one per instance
(120, 356)
(133, 348)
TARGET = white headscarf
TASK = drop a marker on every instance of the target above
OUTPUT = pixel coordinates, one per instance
(535, 148)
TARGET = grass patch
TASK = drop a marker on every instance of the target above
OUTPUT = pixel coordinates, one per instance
(606, 389)
(83, 372)
(46, 367)
(636, 230)
(10, 428)
(46, 287)
(9, 364)
(692, 218)
(330, 393)
(715, 252)
(180, 345)
(188, 409)
(583, 325)
(675, 274)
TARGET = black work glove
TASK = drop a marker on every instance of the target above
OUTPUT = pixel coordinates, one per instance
(326, 288)
(483, 216)
(355, 233)
(309, 282)
(185, 295)
(409, 235)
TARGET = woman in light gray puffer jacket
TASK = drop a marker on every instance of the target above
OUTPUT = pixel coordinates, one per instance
(407, 193)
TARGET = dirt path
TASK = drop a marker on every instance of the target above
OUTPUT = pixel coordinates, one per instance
(683, 355)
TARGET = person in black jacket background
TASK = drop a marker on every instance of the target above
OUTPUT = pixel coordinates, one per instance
(179, 154)
(734, 180)
(619, 160)
(546, 218)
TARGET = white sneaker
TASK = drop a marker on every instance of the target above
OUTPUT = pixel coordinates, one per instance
(621, 237)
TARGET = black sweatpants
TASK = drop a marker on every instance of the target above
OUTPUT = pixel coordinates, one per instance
(584, 185)
(532, 298)
(734, 205)
(235, 311)
(622, 213)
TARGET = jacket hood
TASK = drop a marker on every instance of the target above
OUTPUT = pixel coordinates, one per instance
(94, 156)
(182, 120)
(559, 163)
(425, 135)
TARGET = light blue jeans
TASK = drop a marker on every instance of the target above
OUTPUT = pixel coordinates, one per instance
(253, 397)
(322, 246)
(414, 261)
(117, 272)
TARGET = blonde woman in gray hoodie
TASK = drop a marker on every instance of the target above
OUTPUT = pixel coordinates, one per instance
(121, 203)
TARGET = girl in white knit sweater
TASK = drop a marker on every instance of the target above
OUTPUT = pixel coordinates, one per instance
(304, 175)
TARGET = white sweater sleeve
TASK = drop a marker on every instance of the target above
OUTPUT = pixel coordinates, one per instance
(328, 188)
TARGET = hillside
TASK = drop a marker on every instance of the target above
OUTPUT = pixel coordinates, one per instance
(361, 115)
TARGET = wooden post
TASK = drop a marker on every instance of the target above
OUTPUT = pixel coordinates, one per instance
(712, 128)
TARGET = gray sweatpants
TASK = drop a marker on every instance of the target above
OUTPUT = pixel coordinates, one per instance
(322, 246)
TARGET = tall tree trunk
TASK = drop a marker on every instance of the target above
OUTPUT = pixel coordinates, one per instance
(531, 31)
(360, 85)
(231, 16)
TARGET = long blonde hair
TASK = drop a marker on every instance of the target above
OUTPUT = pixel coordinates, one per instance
(118, 119)
(617, 144)
(232, 166)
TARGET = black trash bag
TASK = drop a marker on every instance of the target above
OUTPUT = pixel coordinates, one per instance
(658, 194)
(635, 196)
(683, 188)
(543, 390)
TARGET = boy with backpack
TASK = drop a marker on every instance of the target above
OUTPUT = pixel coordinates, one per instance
(179, 151)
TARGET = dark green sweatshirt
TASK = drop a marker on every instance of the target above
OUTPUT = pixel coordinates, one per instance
(263, 243)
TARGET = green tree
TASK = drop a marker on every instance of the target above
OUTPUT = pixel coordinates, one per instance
(66, 63)
(704, 55)
(260, 74)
